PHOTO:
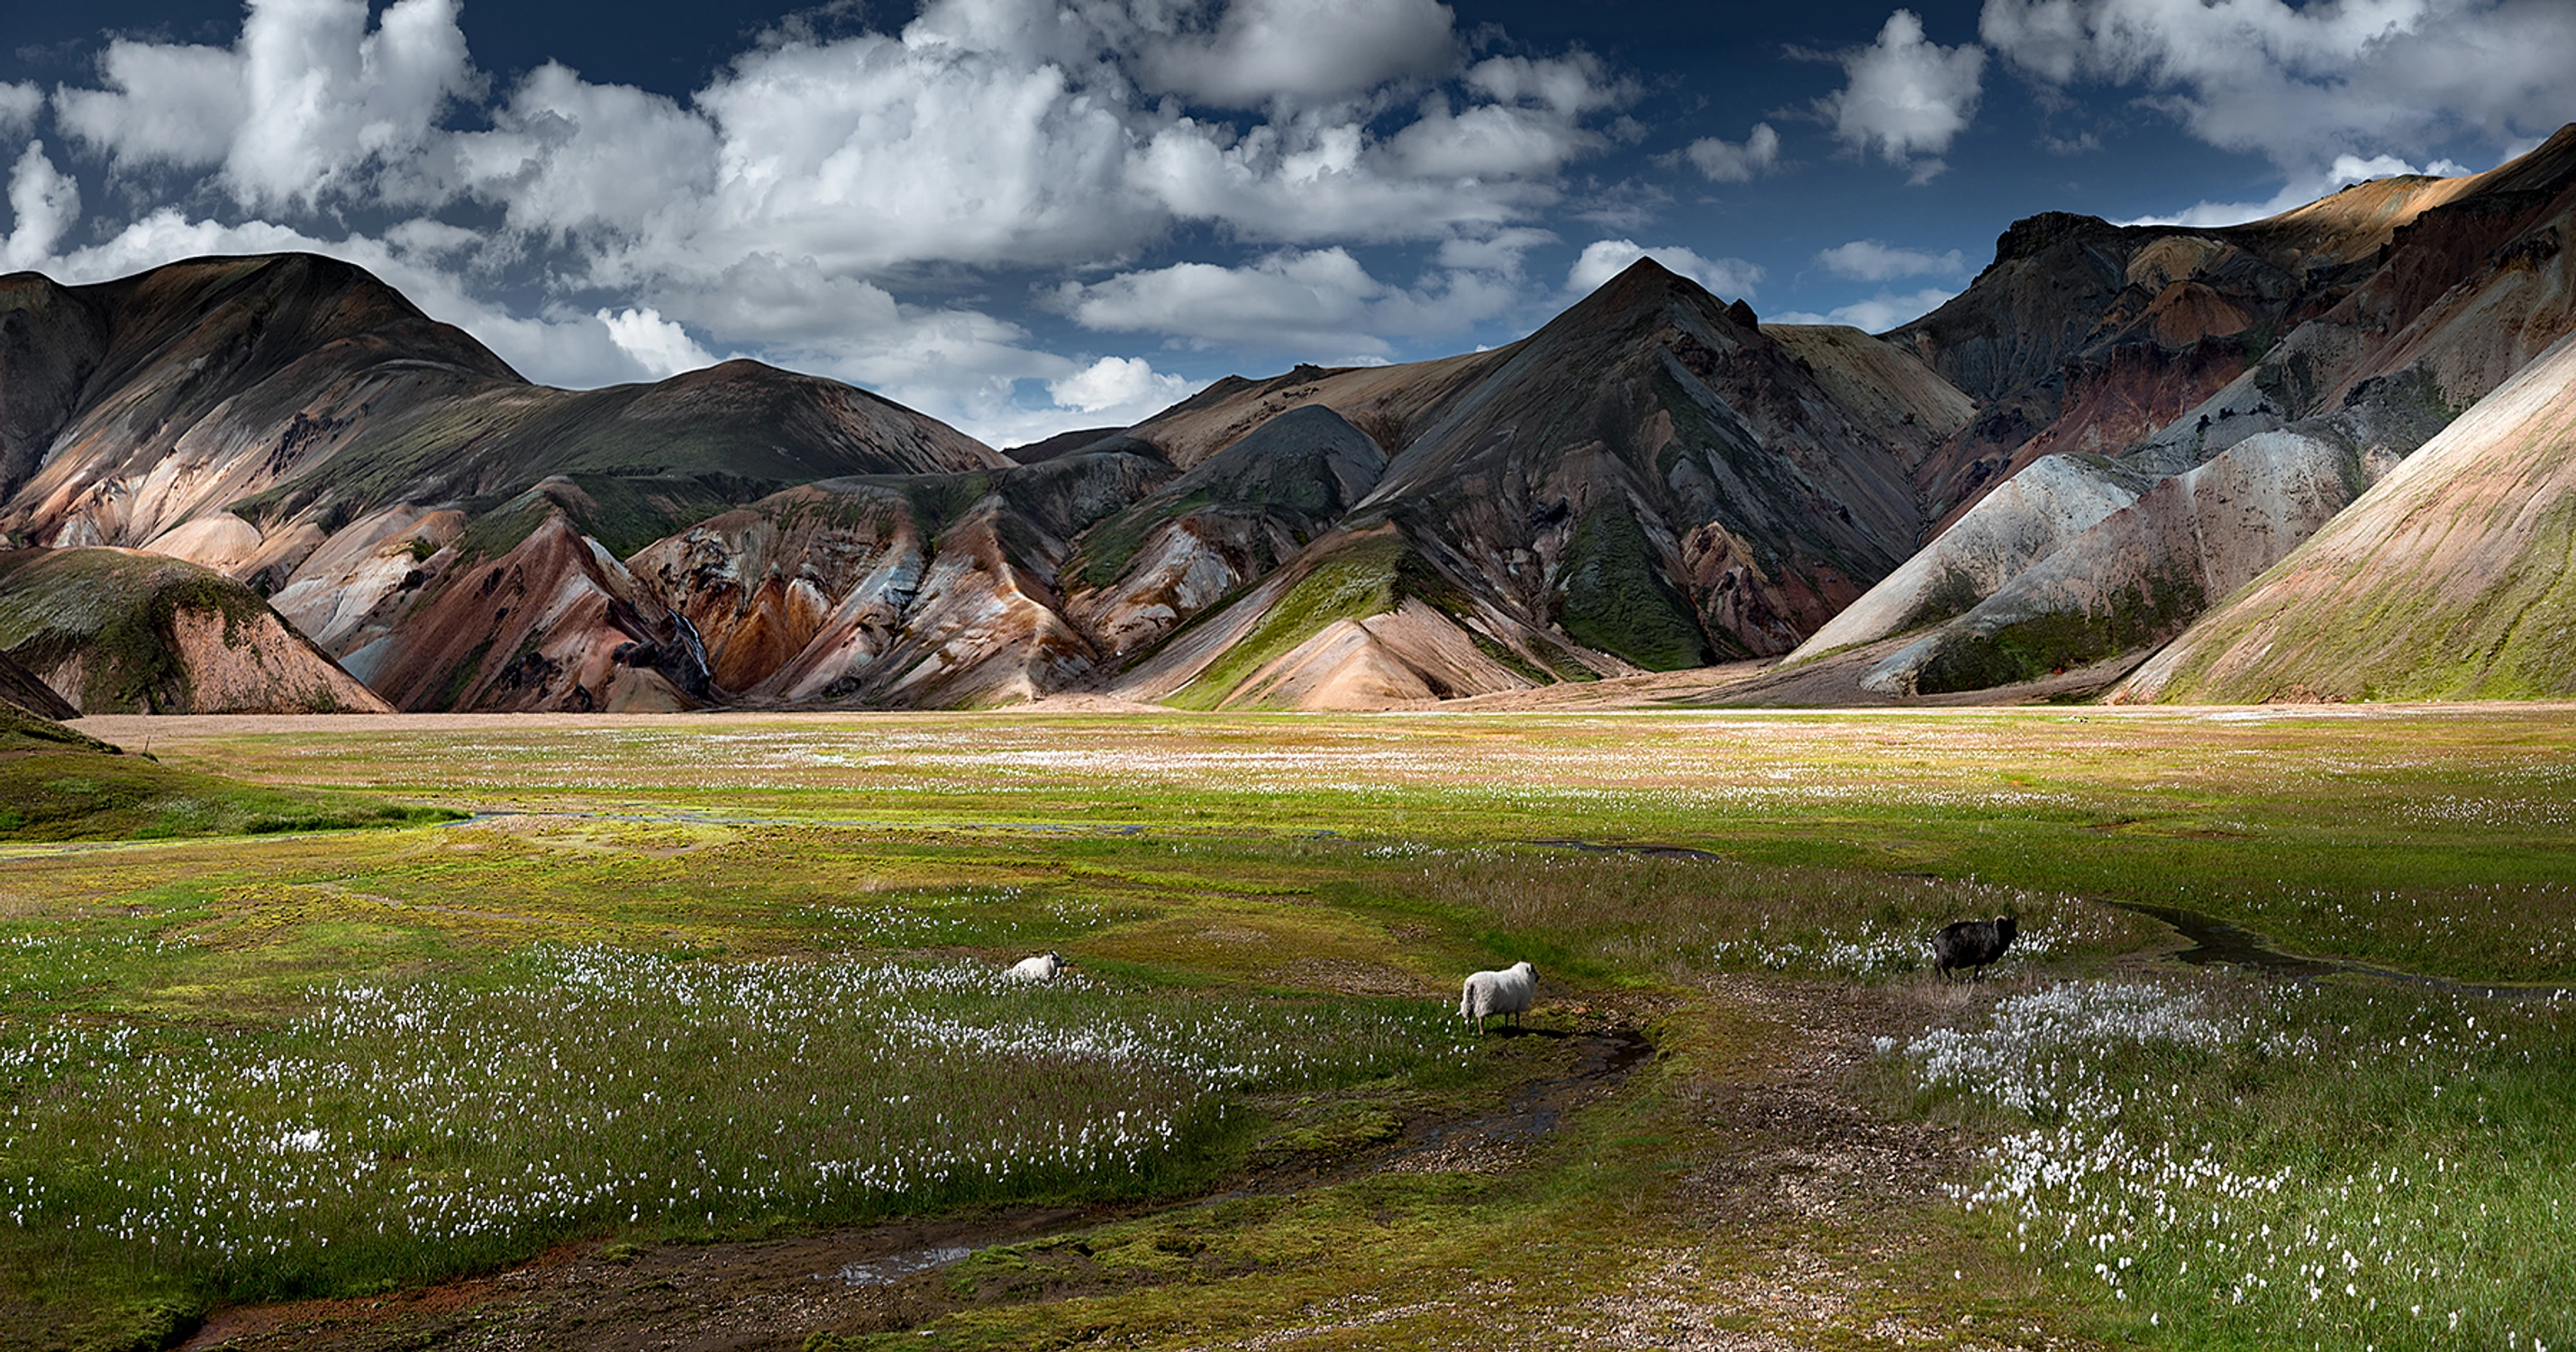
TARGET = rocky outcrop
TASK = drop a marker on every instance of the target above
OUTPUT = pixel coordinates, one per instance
(1240, 513)
(2032, 516)
(1363, 618)
(2138, 576)
(1657, 478)
(554, 624)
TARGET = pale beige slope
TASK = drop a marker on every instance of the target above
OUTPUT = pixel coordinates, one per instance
(1884, 387)
(2455, 577)
(2038, 512)
(1390, 403)
(1413, 652)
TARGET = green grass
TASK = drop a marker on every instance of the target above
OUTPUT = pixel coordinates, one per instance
(89, 795)
(783, 916)
(407, 1129)
(2259, 1167)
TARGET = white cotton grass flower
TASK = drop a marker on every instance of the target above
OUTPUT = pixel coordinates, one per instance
(595, 1086)
(2138, 1173)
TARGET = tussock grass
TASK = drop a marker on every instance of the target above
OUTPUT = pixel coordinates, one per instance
(393, 1131)
(1677, 919)
(1235, 887)
(2240, 1165)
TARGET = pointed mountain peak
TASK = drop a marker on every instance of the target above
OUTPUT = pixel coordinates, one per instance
(1645, 292)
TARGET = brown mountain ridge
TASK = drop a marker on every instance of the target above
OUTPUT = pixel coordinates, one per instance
(2107, 433)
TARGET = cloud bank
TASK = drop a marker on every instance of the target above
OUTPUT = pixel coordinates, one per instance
(785, 206)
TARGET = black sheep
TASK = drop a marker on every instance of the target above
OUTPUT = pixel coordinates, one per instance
(1971, 944)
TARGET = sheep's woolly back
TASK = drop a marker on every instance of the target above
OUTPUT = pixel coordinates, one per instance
(1505, 992)
(1972, 943)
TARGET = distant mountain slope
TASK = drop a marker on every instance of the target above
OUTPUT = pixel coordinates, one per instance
(2082, 557)
(1655, 436)
(298, 393)
(292, 422)
(1237, 515)
(2453, 578)
(2083, 336)
(1391, 404)
(2107, 432)
(940, 590)
(1648, 481)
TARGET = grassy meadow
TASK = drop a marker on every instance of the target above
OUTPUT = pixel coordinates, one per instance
(705, 981)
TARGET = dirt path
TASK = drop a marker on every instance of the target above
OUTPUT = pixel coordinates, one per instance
(1794, 1156)
(1788, 1150)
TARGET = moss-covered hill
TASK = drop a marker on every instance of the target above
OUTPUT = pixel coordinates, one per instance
(121, 631)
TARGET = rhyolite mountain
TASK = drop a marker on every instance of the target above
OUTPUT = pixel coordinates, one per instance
(2453, 578)
(129, 631)
(2417, 297)
(1652, 480)
(2108, 433)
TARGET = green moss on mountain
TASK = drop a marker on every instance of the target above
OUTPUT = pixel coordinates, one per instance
(117, 610)
(2159, 607)
(1615, 597)
(1352, 583)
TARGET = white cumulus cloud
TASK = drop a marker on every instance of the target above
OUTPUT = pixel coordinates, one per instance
(849, 204)
(1305, 50)
(1319, 303)
(19, 105)
(661, 347)
(43, 205)
(1869, 260)
(1604, 259)
(1878, 314)
(304, 101)
(1906, 97)
(1128, 387)
(2304, 85)
(1722, 161)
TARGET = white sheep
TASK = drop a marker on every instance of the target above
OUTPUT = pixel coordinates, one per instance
(1506, 992)
(1043, 967)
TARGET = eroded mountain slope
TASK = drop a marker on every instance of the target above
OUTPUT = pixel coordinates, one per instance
(2454, 577)
(124, 631)
(2469, 281)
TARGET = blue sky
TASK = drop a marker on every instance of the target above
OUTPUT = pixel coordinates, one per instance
(1027, 215)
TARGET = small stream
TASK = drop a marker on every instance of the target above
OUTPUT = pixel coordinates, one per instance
(1647, 849)
(2221, 942)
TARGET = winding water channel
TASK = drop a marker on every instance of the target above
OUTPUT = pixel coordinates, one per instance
(2216, 941)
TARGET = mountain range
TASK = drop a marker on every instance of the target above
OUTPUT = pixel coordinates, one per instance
(2321, 455)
